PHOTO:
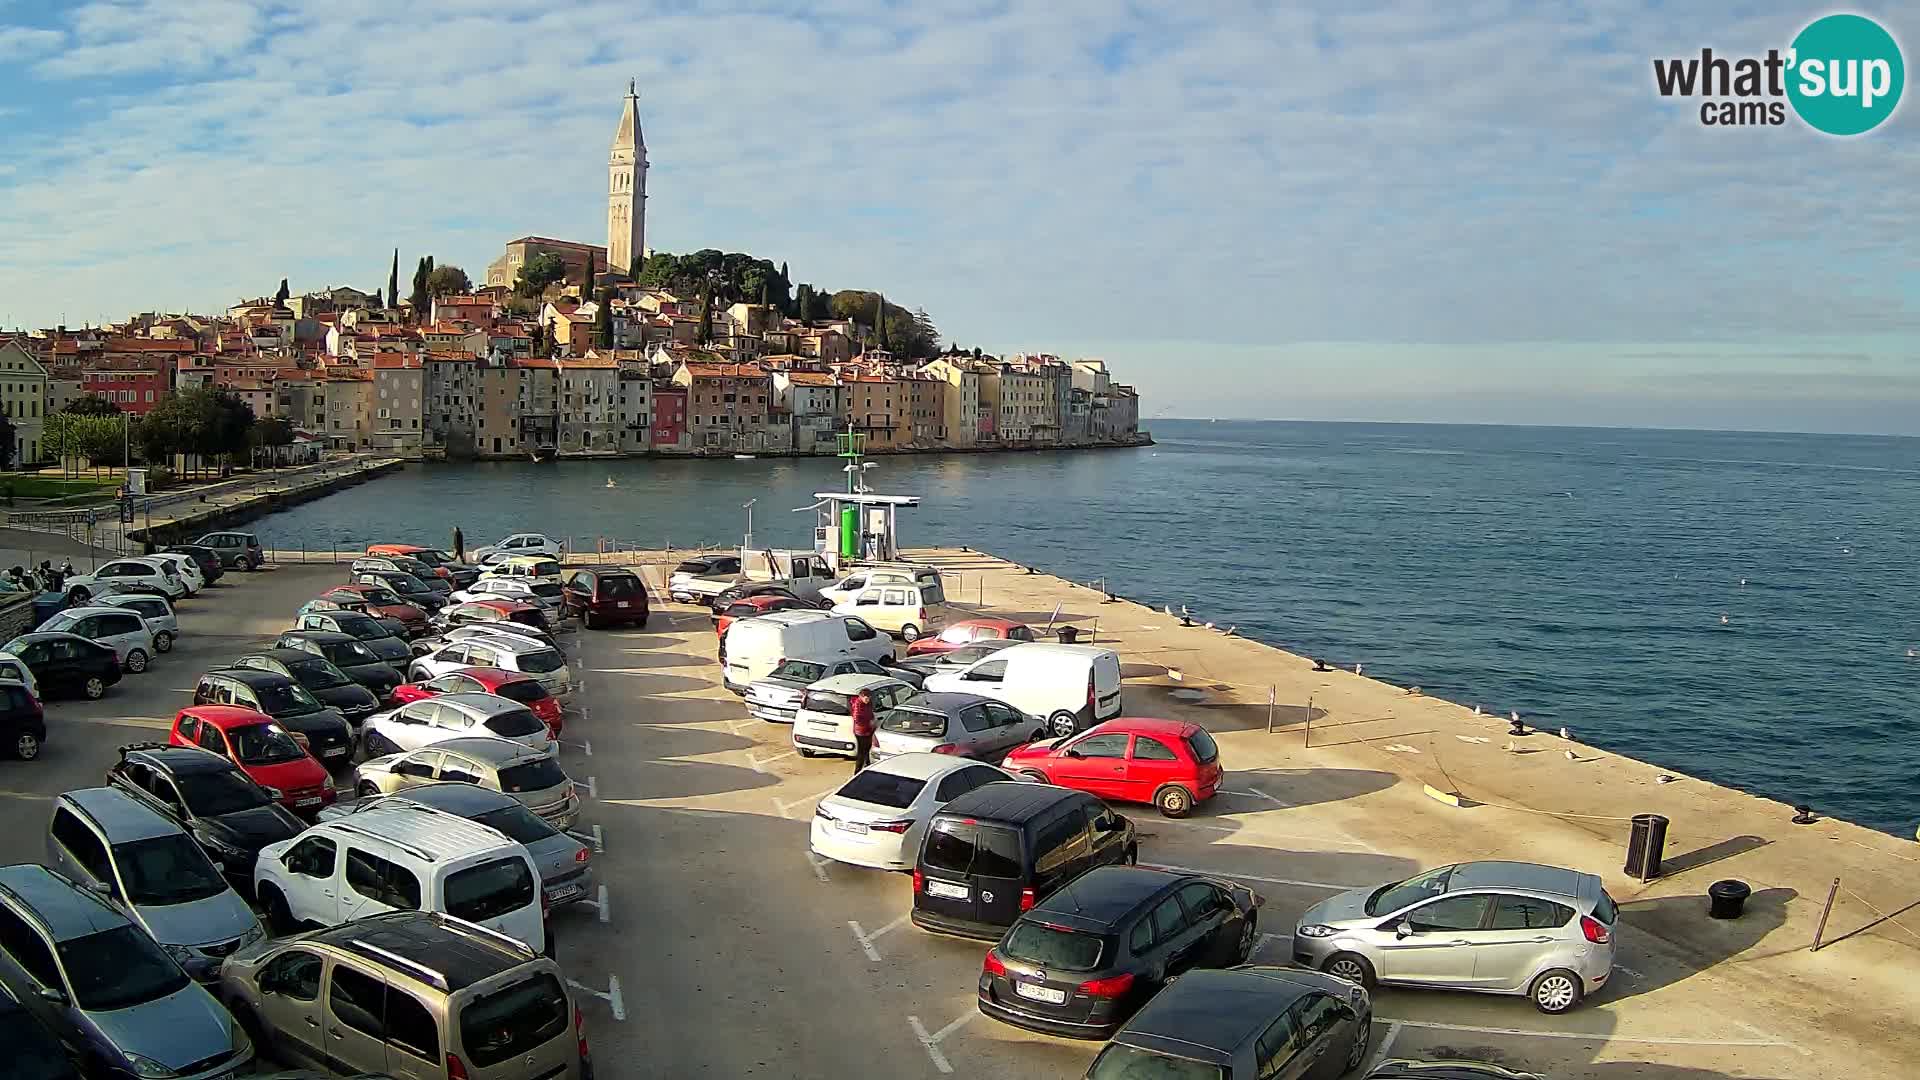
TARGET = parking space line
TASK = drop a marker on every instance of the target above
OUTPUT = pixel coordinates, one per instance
(616, 1001)
(1579, 1036)
(592, 785)
(783, 806)
(1231, 876)
(819, 866)
(866, 943)
(596, 838)
(1386, 1044)
(1268, 939)
(760, 764)
(932, 1042)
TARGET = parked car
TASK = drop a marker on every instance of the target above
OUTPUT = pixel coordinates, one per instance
(207, 559)
(877, 818)
(443, 563)
(376, 601)
(926, 664)
(265, 751)
(519, 590)
(1494, 927)
(14, 669)
(754, 647)
(122, 1006)
(518, 544)
(184, 567)
(777, 697)
(23, 723)
(566, 864)
(512, 685)
(602, 597)
(738, 591)
(406, 858)
(479, 612)
(516, 634)
(225, 810)
(409, 588)
(405, 564)
(152, 574)
(67, 663)
(1172, 764)
(905, 611)
(824, 722)
(33, 1052)
(1246, 1023)
(451, 716)
(964, 725)
(317, 676)
(148, 867)
(968, 631)
(508, 653)
(1073, 686)
(372, 632)
(754, 606)
(859, 579)
(680, 582)
(429, 986)
(1084, 959)
(117, 628)
(325, 732)
(532, 776)
(535, 568)
(1000, 849)
(352, 657)
(240, 550)
(156, 610)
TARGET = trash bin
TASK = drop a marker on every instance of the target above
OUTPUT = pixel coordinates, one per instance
(1645, 845)
(1069, 635)
(1727, 899)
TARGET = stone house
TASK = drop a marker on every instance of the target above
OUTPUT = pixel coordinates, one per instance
(727, 404)
(815, 405)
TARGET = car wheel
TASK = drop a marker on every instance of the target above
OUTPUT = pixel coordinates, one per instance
(95, 687)
(137, 661)
(1351, 967)
(1173, 801)
(1132, 857)
(1249, 937)
(1362, 1042)
(909, 633)
(279, 915)
(1556, 992)
(1062, 724)
(804, 752)
(1036, 776)
(26, 746)
(163, 641)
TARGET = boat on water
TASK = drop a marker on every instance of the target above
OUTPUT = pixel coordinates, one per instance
(743, 457)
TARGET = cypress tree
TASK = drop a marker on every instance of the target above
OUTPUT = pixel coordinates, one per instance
(706, 313)
(281, 296)
(766, 293)
(586, 289)
(880, 318)
(603, 319)
(393, 282)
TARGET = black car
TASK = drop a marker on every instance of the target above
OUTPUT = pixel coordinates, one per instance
(207, 559)
(67, 663)
(348, 653)
(728, 596)
(330, 684)
(379, 635)
(329, 736)
(409, 588)
(1243, 1023)
(1001, 848)
(1081, 961)
(230, 816)
(32, 1051)
(23, 725)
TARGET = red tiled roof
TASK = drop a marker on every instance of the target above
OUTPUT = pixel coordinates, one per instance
(810, 378)
(700, 370)
(391, 361)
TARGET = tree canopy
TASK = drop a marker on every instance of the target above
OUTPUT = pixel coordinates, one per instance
(737, 277)
(908, 334)
(539, 272)
(91, 405)
(449, 280)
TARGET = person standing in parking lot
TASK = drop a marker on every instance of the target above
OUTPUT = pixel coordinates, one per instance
(459, 545)
(861, 707)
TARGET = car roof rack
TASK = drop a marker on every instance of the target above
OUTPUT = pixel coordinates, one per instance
(348, 826)
(394, 958)
(133, 746)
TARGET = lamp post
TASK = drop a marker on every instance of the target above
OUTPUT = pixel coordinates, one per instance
(748, 507)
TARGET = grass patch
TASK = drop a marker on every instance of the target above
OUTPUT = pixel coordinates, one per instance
(54, 487)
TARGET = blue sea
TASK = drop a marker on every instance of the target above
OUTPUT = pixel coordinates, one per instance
(1736, 606)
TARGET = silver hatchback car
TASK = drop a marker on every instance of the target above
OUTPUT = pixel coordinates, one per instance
(1492, 927)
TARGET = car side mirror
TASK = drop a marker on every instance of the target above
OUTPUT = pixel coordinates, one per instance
(1402, 931)
(53, 994)
(1070, 752)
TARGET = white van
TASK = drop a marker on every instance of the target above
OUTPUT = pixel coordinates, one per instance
(1073, 686)
(860, 577)
(754, 647)
(905, 609)
(401, 857)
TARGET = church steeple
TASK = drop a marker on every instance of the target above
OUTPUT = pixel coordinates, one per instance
(627, 187)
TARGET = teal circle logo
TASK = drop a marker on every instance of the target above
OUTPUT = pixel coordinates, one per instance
(1846, 74)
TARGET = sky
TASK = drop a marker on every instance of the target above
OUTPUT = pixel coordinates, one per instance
(1390, 210)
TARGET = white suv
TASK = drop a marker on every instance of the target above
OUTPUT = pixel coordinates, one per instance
(543, 662)
(401, 857)
(119, 629)
(452, 716)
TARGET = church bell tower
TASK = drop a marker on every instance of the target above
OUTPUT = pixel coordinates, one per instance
(627, 189)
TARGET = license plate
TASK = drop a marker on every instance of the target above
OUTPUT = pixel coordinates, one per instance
(951, 892)
(620, 603)
(314, 801)
(1041, 993)
(334, 751)
(563, 893)
(858, 828)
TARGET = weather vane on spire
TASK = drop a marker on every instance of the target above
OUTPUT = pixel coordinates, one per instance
(630, 90)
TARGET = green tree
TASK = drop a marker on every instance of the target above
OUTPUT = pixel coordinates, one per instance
(802, 300)
(603, 319)
(393, 282)
(819, 306)
(587, 284)
(280, 298)
(102, 440)
(449, 280)
(706, 314)
(7, 439)
(269, 433)
(539, 272)
(880, 319)
(91, 405)
(418, 297)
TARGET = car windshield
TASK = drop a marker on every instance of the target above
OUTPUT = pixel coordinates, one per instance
(524, 691)
(515, 724)
(801, 671)
(521, 825)
(911, 721)
(285, 699)
(1204, 750)
(383, 597)
(264, 744)
(348, 653)
(405, 583)
(513, 1020)
(210, 794)
(619, 586)
(167, 870)
(541, 661)
(544, 569)
(882, 788)
(317, 674)
(1413, 890)
(1054, 946)
(490, 890)
(118, 969)
(1122, 1062)
(984, 850)
(532, 776)
(827, 702)
(547, 590)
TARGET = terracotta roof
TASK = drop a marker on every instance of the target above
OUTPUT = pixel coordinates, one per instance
(702, 370)
(810, 378)
(439, 357)
(391, 361)
(606, 363)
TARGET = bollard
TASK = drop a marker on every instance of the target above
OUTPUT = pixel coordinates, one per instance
(1727, 899)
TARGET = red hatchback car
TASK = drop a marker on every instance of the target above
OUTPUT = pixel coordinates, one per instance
(748, 607)
(381, 603)
(968, 631)
(511, 685)
(264, 750)
(1170, 763)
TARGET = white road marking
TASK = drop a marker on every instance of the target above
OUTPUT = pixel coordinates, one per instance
(1473, 738)
(1254, 794)
(783, 806)
(601, 903)
(760, 764)
(1578, 1036)
(1267, 939)
(866, 943)
(1758, 1033)
(611, 995)
(1400, 748)
(819, 866)
(1386, 1044)
(592, 785)
(926, 1040)
(596, 838)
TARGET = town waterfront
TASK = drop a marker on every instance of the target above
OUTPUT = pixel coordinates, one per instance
(1580, 576)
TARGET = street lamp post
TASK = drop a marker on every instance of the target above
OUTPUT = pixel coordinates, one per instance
(747, 543)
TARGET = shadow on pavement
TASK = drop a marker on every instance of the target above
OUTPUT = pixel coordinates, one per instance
(1305, 787)
(678, 712)
(651, 684)
(652, 780)
(1693, 940)
(1653, 1070)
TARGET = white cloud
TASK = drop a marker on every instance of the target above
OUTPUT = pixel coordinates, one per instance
(22, 42)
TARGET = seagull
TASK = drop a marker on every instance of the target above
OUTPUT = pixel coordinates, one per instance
(1209, 626)
(1166, 609)
(1743, 583)
(1356, 669)
(1229, 630)
(1724, 620)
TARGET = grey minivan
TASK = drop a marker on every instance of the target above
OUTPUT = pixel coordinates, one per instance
(152, 870)
(113, 997)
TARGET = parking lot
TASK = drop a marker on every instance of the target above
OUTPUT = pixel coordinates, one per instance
(718, 946)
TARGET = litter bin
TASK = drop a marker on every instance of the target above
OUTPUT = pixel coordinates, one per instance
(1727, 899)
(1069, 635)
(1645, 845)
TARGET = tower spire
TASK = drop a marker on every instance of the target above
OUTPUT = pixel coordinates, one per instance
(627, 188)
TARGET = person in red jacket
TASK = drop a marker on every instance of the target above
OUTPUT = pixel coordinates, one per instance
(861, 706)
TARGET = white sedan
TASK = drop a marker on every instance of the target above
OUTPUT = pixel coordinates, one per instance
(879, 816)
(517, 544)
(184, 567)
(118, 573)
(507, 588)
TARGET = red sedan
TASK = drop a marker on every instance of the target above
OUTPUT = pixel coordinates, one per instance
(511, 685)
(381, 603)
(968, 631)
(1170, 763)
(264, 750)
(748, 607)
